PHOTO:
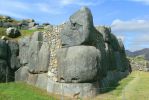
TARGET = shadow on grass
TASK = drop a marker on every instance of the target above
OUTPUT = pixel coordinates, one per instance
(118, 85)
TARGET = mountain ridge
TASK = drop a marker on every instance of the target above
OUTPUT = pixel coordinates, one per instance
(144, 52)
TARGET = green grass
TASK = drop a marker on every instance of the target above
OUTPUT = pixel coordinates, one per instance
(2, 32)
(22, 91)
(23, 33)
(133, 87)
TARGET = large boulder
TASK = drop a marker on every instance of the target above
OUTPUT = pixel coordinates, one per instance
(44, 57)
(39, 54)
(23, 50)
(12, 32)
(34, 48)
(3, 50)
(77, 64)
(79, 30)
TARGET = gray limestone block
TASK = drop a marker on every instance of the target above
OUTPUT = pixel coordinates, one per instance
(22, 74)
(44, 57)
(42, 81)
(77, 64)
(33, 51)
(32, 78)
(74, 90)
(37, 36)
(39, 54)
(23, 50)
(33, 56)
(79, 30)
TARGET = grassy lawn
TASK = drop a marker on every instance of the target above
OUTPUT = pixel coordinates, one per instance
(22, 91)
(133, 87)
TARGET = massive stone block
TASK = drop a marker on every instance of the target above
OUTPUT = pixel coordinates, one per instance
(42, 81)
(22, 74)
(23, 50)
(79, 30)
(74, 90)
(44, 57)
(34, 48)
(39, 54)
(78, 64)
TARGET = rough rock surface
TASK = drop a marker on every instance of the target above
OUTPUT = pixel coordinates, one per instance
(38, 54)
(23, 50)
(42, 81)
(78, 64)
(79, 29)
(22, 74)
(74, 90)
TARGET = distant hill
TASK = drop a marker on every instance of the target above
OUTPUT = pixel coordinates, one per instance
(144, 52)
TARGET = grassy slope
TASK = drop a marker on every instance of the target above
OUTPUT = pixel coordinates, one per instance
(23, 32)
(21, 91)
(133, 87)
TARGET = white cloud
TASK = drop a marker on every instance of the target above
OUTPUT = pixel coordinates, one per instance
(18, 8)
(13, 14)
(141, 1)
(80, 2)
(45, 8)
(135, 32)
(130, 26)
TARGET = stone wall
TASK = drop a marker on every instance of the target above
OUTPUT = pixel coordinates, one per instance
(75, 57)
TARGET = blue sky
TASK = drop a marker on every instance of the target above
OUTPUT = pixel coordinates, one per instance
(129, 19)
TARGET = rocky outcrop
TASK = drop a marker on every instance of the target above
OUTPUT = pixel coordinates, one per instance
(12, 32)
